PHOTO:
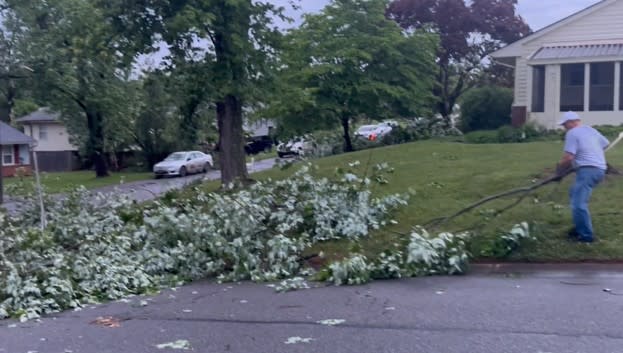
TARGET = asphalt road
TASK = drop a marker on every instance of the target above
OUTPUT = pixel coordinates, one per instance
(149, 189)
(554, 311)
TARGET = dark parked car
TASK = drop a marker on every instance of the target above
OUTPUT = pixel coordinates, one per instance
(258, 144)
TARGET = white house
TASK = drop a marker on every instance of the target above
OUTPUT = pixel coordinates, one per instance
(573, 64)
(54, 150)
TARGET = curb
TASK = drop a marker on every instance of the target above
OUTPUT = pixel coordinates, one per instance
(545, 268)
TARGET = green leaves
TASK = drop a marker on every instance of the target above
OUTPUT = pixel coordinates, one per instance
(107, 248)
(350, 61)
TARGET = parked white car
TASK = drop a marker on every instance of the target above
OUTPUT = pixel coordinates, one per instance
(183, 163)
(370, 132)
(298, 146)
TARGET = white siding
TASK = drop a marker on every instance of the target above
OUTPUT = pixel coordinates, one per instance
(57, 137)
(602, 25)
(521, 83)
(606, 23)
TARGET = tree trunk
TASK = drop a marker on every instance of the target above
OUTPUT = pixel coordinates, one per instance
(95, 143)
(348, 145)
(6, 111)
(189, 125)
(231, 141)
(230, 46)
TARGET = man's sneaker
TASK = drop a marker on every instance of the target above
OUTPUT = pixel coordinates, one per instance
(585, 240)
(573, 234)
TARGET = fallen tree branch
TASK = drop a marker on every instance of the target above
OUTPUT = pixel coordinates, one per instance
(525, 190)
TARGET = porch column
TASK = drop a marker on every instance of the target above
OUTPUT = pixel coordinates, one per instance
(617, 86)
(587, 86)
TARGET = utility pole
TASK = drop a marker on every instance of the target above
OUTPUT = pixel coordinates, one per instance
(1, 163)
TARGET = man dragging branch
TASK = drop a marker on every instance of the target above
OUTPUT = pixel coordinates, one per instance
(584, 152)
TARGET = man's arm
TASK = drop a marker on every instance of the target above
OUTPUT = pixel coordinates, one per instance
(565, 163)
(603, 141)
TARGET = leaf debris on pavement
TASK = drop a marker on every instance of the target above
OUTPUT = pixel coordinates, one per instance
(331, 322)
(179, 344)
(107, 321)
(297, 340)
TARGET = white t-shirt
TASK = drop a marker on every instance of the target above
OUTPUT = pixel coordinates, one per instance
(587, 145)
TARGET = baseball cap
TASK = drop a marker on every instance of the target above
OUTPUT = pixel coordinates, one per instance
(568, 116)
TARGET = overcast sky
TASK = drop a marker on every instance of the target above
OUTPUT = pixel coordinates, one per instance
(538, 13)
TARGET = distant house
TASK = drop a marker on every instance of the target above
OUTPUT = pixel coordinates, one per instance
(259, 128)
(15, 150)
(573, 64)
(55, 153)
(260, 136)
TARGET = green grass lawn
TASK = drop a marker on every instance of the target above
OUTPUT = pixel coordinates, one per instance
(448, 176)
(61, 182)
(262, 155)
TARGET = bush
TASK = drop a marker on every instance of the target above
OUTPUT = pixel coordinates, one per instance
(509, 134)
(482, 136)
(486, 108)
(609, 131)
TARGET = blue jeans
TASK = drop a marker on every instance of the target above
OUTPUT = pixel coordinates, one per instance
(580, 193)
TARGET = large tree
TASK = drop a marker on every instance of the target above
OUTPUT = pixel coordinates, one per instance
(13, 72)
(469, 31)
(350, 61)
(155, 129)
(231, 44)
(81, 60)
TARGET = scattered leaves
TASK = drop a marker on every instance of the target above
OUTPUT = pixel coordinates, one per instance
(297, 340)
(179, 344)
(107, 321)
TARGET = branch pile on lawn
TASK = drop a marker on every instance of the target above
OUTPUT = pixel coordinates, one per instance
(423, 255)
(107, 248)
(103, 248)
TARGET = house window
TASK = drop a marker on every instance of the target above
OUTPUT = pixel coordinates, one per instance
(43, 132)
(602, 87)
(572, 87)
(8, 155)
(538, 89)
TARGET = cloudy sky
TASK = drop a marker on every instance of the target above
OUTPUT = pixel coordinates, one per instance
(538, 13)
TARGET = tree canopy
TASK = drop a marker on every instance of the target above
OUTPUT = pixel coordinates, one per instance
(469, 31)
(350, 61)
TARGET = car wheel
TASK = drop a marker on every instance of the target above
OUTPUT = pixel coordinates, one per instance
(207, 167)
(157, 176)
(183, 172)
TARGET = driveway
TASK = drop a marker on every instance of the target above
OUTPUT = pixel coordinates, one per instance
(146, 190)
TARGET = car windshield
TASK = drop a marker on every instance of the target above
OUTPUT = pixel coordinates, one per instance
(177, 156)
(367, 128)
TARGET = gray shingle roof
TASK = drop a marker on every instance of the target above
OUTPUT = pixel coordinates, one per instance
(40, 115)
(12, 136)
(579, 51)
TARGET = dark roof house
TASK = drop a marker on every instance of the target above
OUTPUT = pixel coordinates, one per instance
(39, 116)
(14, 151)
(11, 136)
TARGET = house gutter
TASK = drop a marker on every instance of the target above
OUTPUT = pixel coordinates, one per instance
(503, 64)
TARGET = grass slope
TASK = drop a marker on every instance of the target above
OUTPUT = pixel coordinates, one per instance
(62, 182)
(449, 176)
